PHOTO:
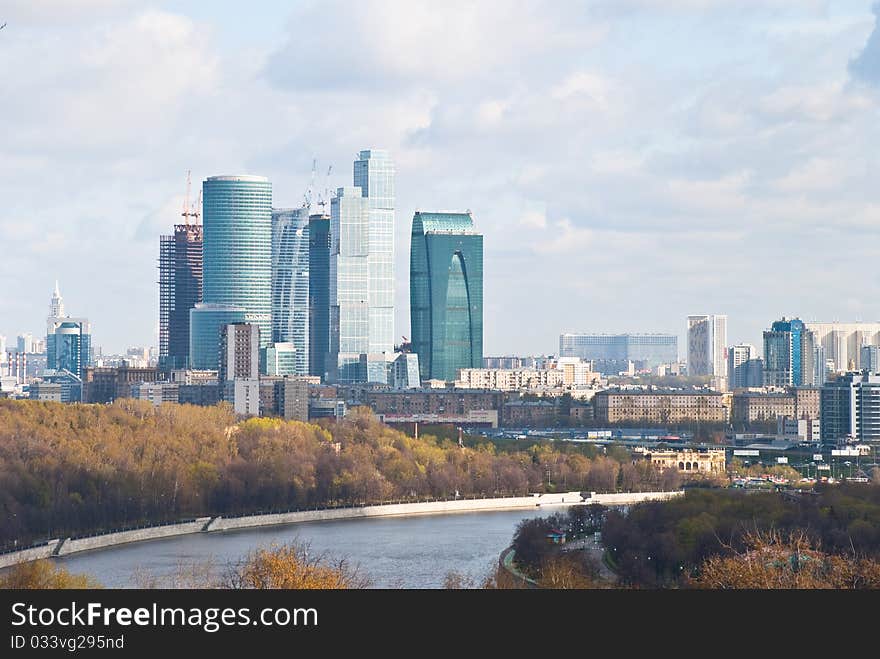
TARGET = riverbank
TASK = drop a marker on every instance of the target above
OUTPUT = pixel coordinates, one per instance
(64, 547)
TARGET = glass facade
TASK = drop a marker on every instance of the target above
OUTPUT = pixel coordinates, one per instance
(237, 261)
(349, 283)
(206, 321)
(446, 294)
(649, 349)
(319, 294)
(280, 359)
(290, 282)
(69, 345)
(788, 354)
(180, 288)
(374, 175)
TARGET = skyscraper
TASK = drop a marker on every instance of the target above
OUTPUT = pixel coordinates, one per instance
(788, 354)
(319, 293)
(290, 282)
(180, 289)
(68, 340)
(446, 294)
(374, 175)
(237, 263)
(612, 352)
(349, 284)
(850, 409)
(707, 343)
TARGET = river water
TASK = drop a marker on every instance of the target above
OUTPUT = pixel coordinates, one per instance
(393, 552)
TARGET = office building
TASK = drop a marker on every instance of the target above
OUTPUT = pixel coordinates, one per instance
(612, 353)
(869, 359)
(349, 284)
(446, 294)
(156, 393)
(68, 340)
(180, 289)
(290, 283)
(280, 359)
(106, 384)
(745, 369)
(374, 175)
(851, 409)
(237, 263)
(788, 354)
(707, 344)
(319, 293)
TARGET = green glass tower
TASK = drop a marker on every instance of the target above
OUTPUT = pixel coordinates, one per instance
(446, 294)
(237, 263)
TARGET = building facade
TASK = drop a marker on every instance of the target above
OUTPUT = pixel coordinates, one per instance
(842, 342)
(711, 461)
(290, 282)
(660, 407)
(374, 175)
(851, 409)
(744, 368)
(612, 352)
(180, 289)
(707, 345)
(446, 294)
(237, 263)
(788, 354)
(319, 293)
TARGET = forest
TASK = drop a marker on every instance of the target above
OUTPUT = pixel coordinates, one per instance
(74, 470)
(665, 544)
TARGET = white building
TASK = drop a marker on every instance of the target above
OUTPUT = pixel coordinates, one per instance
(842, 342)
(707, 345)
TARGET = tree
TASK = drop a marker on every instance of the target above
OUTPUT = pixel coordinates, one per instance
(774, 561)
(292, 566)
(44, 575)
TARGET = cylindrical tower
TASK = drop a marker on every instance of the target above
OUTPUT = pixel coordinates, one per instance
(237, 261)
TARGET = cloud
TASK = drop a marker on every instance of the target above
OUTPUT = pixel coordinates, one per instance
(866, 66)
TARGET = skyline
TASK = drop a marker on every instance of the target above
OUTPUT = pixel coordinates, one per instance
(742, 187)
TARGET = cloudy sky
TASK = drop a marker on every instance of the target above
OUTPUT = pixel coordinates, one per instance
(629, 162)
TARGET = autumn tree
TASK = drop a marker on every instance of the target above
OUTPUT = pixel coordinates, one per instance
(292, 566)
(44, 575)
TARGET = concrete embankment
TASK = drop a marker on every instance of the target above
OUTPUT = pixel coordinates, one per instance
(58, 548)
(395, 509)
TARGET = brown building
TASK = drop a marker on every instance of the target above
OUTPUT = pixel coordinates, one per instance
(758, 406)
(444, 402)
(620, 405)
(104, 385)
(807, 402)
(528, 413)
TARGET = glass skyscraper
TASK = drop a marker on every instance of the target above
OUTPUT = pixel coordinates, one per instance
(788, 354)
(319, 293)
(237, 262)
(290, 282)
(68, 340)
(374, 175)
(180, 289)
(446, 294)
(349, 284)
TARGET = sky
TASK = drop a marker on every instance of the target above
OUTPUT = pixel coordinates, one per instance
(629, 162)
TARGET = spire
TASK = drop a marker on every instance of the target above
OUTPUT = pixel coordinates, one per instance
(56, 306)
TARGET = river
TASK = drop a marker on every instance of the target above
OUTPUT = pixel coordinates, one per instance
(394, 552)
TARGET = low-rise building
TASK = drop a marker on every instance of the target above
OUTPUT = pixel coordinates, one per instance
(711, 461)
(156, 392)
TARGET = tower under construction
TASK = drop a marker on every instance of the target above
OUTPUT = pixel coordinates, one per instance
(180, 286)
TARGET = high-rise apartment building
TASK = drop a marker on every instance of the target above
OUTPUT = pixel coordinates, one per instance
(850, 409)
(788, 354)
(237, 263)
(319, 293)
(290, 282)
(374, 175)
(180, 289)
(239, 368)
(446, 294)
(842, 342)
(707, 343)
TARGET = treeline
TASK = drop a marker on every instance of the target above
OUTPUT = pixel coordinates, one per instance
(665, 543)
(80, 469)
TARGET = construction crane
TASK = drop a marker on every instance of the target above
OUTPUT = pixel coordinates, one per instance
(2, 26)
(191, 211)
(324, 198)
